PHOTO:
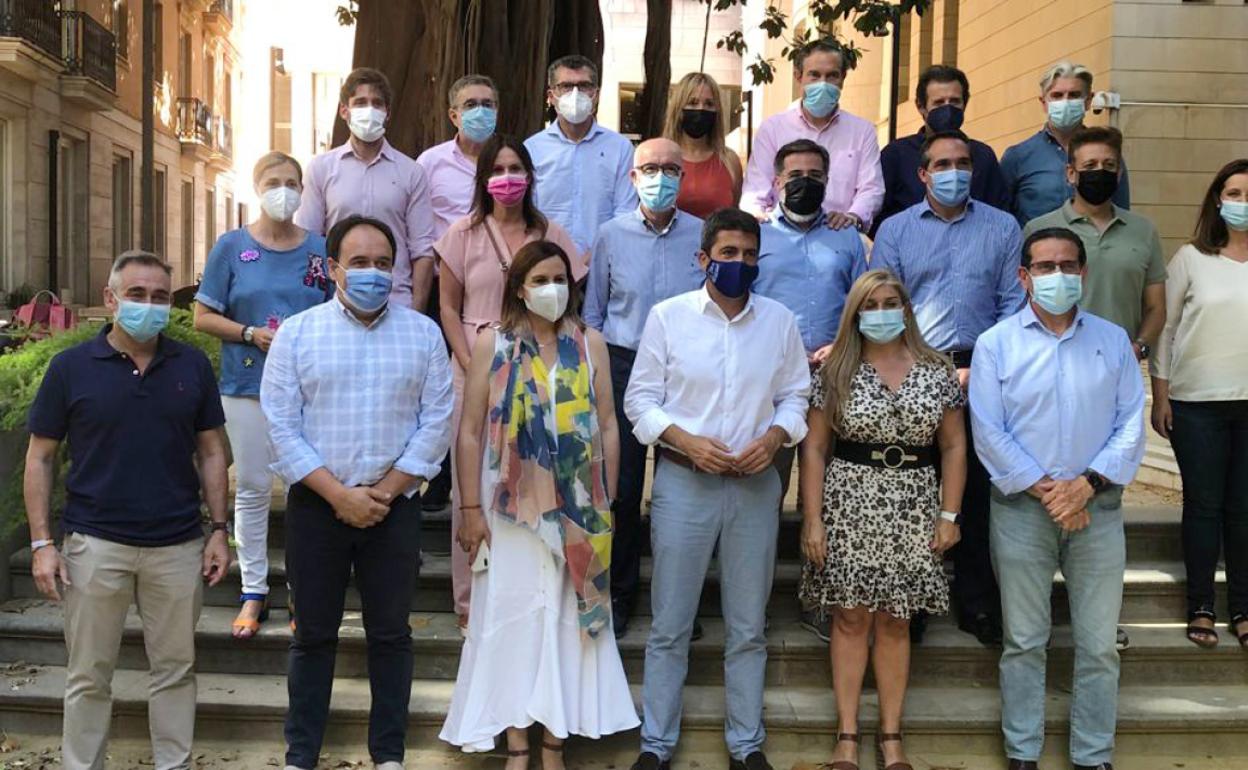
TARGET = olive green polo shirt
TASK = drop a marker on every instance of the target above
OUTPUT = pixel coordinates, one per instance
(1121, 262)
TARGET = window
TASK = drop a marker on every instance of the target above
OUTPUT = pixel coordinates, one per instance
(123, 204)
(158, 50)
(188, 231)
(121, 27)
(210, 80)
(279, 101)
(229, 212)
(630, 110)
(73, 260)
(210, 221)
(160, 188)
(184, 65)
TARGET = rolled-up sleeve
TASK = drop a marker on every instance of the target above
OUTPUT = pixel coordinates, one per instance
(281, 400)
(756, 195)
(419, 216)
(869, 193)
(422, 456)
(1012, 470)
(643, 401)
(1120, 459)
(792, 399)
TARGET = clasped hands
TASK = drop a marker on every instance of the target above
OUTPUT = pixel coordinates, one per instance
(1066, 501)
(713, 456)
(362, 507)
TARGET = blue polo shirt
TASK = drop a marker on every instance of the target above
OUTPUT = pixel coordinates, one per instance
(132, 438)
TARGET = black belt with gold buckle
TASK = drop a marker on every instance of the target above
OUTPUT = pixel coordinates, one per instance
(890, 456)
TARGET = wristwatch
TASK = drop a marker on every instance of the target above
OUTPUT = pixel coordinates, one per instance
(1096, 480)
(35, 545)
(951, 517)
(249, 332)
(219, 526)
(1145, 349)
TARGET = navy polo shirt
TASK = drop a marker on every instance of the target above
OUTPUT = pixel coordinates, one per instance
(902, 188)
(132, 438)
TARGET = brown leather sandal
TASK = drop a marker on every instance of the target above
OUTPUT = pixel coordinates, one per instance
(842, 764)
(1202, 636)
(880, 740)
(1236, 621)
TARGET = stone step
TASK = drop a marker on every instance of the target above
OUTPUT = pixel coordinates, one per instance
(1195, 721)
(1152, 591)
(31, 631)
(1153, 532)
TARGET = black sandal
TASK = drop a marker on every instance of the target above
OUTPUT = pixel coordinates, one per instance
(880, 740)
(842, 764)
(554, 749)
(1204, 636)
(1235, 621)
(511, 753)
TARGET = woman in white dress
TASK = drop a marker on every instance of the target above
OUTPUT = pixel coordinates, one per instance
(537, 460)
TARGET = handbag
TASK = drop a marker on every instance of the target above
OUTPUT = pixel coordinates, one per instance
(47, 317)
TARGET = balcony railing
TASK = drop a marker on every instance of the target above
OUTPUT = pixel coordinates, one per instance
(224, 138)
(90, 49)
(223, 7)
(34, 21)
(196, 123)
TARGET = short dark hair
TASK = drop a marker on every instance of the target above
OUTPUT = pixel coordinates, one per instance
(941, 73)
(728, 220)
(333, 240)
(573, 61)
(1053, 233)
(800, 147)
(936, 136)
(366, 76)
(134, 257)
(452, 93)
(1106, 135)
(822, 45)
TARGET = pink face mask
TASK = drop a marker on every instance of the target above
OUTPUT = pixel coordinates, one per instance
(507, 190)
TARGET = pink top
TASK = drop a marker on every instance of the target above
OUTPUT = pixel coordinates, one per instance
(452, 178)
(468, 253)
(390, 188)
(855, 177)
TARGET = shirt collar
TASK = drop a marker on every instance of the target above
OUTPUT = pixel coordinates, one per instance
(650, 228)
(555, 130)
(706, 304)
(101, 348)
(1027, 317)
(1071, 216)
(801, 116)
(780, 219)
(386, 151)
(925, 208)
(347, 314)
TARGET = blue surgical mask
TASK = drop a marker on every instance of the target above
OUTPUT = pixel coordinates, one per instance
(882, 326)
(951, 187)
(141, 320)
(732, 279)
(820, 99)
(1234, 214)
(368, 288)
(1066, 113)
(478, 123)
(1058, 292)
(657, 191)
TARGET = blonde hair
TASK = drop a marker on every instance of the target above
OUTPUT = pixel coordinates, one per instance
(842, 364)
(1065, 69)
(271, 159)
(680, 97)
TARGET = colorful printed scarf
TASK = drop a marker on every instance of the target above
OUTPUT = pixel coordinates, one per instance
(554, 485)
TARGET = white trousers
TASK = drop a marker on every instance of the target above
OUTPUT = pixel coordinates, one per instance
(249, 441)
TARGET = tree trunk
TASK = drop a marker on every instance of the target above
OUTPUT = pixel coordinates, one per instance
(658, 61)
(425, 45)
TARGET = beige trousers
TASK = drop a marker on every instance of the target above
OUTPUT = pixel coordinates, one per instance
(166, 585)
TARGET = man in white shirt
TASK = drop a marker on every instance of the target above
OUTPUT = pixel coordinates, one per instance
(720, 383)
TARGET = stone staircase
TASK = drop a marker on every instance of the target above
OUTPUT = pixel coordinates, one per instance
(1177, 700)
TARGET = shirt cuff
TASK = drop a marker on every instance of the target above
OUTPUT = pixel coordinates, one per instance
(1019, 481)
(211, 302)
(651, 425)
(794, 428)
(1111, 467)
(417, 467)
(296, 467)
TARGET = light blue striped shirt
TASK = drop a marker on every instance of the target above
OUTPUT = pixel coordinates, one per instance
(1044, 405)
(810, 272)
(962, 275)
(634, 267)
(357, 400)
(581, 185)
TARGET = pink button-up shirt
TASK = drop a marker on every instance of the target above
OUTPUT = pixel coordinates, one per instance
(391, 188)
(452, 180)
(855, 177)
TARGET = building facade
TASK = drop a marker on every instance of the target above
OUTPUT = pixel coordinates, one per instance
(70, 137)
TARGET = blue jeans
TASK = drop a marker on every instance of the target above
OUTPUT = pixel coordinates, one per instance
(1027, 549)
(689, 513)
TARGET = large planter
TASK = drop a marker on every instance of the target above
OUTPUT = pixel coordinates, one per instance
(12, 452)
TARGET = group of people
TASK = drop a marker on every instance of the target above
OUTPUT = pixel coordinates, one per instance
(968, 385)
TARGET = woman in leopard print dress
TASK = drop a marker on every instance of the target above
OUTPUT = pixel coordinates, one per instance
(873, 535)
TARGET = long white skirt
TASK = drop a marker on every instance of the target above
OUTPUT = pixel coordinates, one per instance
(525, 661)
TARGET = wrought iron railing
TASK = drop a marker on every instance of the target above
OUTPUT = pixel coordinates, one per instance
(223, 7)
(90, 49)
(34, 21)
(195, 122)
(225, 137)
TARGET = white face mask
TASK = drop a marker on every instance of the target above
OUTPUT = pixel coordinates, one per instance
(547, 301)
(575, 107)
(280, 203)
(367, 123)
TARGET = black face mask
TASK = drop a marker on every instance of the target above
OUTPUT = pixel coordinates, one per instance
(804, 195)
(1097, 186)
(697, 123)
(946, 117)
